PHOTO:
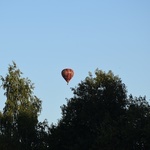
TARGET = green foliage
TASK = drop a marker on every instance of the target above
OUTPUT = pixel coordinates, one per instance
(19, 118)
(100, 116)
(19, 93)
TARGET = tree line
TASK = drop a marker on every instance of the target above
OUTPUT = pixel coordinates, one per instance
(100, 116)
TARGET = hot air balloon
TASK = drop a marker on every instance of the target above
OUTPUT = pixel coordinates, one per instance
(67, 74)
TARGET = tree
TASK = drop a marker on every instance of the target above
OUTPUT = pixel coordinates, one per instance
(137, 124)
(98, 103)
(19, 118)
(101, 116)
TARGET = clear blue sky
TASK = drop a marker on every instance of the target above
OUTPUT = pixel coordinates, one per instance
(45, 36)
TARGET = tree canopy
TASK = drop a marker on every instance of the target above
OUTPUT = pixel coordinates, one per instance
(100, 116)
(19, 118)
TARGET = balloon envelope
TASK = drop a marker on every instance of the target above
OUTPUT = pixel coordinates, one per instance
(67, 74)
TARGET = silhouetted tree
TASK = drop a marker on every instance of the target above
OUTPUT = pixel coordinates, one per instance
(137, 124)
(97, 103)
(101, 116)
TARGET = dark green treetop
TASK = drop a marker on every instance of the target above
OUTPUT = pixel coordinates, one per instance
(96, 100)
(101, 116)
